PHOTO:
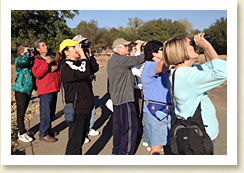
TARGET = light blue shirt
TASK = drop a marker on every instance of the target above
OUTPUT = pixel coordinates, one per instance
(156, 87)
(191, 85)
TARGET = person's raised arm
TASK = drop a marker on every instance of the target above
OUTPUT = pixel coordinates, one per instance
(209, 51)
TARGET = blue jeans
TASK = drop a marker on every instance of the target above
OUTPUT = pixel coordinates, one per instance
(47, 112)
(156, 132)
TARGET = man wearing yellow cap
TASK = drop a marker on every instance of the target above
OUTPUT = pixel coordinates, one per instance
(121, 89)
(75, 78)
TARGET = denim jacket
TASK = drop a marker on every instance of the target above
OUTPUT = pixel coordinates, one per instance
(24, 80)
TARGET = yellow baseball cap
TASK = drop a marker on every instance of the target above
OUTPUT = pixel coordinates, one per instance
(67, 42)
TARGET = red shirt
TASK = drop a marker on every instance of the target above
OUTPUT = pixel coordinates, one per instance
(46, 81)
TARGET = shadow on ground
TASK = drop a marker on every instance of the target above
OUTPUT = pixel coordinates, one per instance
(106, 115)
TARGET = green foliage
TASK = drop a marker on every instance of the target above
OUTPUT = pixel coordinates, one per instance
(91, 31)
(132, 29)
(27, 26)
(111, 34)
(218, 32)
(161, 30)
(100, 37)
(187, 24)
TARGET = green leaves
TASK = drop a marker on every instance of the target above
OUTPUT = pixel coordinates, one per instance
(161, 30)
(218, 32)
(27, 26)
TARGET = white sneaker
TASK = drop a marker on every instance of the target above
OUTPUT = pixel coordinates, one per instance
(93, 132)
(25, 137)
(145, 144)
(149, 149)
(86, 140)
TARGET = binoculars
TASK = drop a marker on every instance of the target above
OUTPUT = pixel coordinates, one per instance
(30, 49)
(85, 45)
(206, 36)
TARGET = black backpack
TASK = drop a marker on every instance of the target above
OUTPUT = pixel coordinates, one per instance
(189, 137)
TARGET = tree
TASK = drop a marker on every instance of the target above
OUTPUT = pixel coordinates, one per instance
(91, 31)
(218, 32)
(192, 33)
(187, 24)
(132, 28)
(27, 26)
(161, 30)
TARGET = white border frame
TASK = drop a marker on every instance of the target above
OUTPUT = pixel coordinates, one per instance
(229, 159)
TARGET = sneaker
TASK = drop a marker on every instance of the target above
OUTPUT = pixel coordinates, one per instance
(149, 149)
(93, 132)
(25, 137)
(86, 140)
(145, 144)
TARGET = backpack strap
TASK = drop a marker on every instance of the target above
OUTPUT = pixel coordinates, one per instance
(63, 89)
(173, 117)
(197, 115)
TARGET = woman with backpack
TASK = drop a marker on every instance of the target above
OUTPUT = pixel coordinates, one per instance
(191, 82)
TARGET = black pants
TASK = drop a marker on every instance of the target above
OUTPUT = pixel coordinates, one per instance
(77, 134)
(138, 101)
(22, 101)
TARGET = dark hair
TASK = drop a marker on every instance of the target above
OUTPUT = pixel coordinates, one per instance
(63, 56)
(150, 47)
(131, 45)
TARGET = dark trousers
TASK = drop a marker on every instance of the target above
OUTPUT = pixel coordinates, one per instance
(138, 101)
(22, 101)
(77, 134)
(47, 112)
(125, 126)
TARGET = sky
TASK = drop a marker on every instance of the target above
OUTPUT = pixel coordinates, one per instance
(200, 19)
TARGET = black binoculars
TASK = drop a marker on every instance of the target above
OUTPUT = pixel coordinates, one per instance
(30, 49)
(85, 45)
(206, 36)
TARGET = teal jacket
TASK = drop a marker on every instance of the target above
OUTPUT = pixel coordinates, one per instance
(24, 80)
(191, 86)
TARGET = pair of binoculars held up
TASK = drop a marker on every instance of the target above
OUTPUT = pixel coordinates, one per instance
(206, 36)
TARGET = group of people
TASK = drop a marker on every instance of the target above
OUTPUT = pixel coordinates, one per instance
(139, 73)
(74, 66)
(155, 65)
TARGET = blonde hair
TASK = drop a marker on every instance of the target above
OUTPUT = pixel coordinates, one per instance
(175, 51)
(20, 49)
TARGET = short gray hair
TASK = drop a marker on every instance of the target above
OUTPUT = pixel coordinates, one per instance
(36, 44)
(115, 49)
